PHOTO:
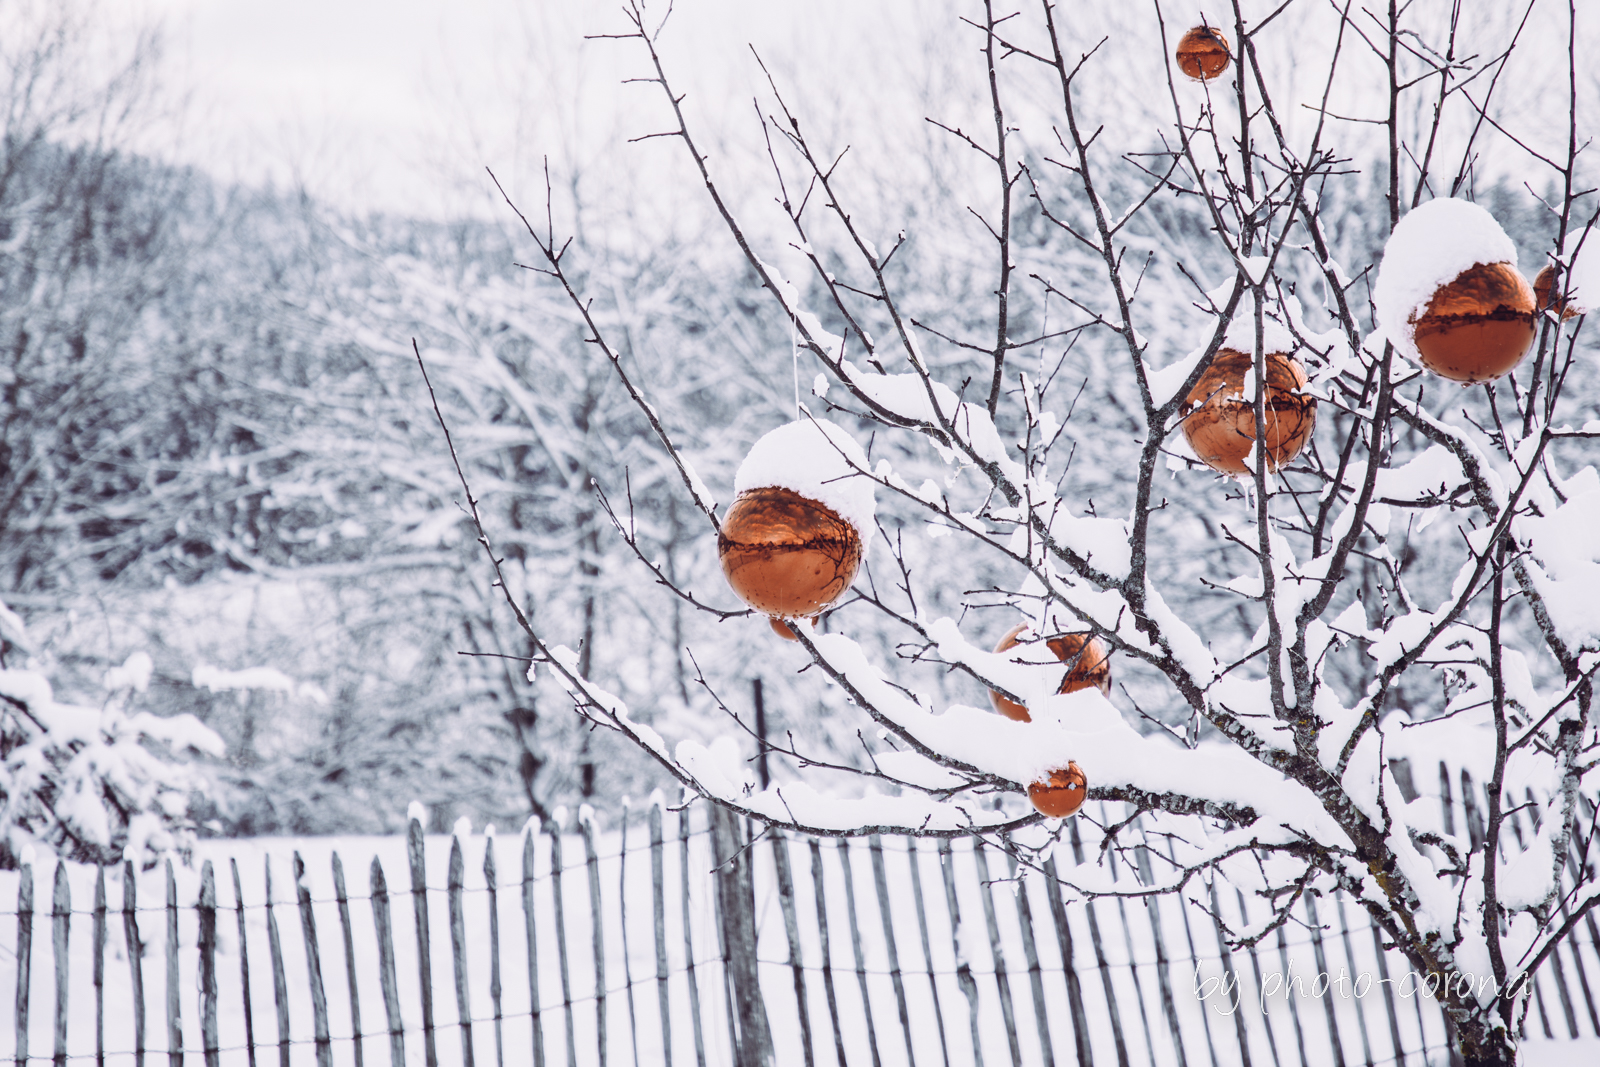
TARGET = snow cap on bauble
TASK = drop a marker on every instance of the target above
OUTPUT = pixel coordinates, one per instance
(1429, 248)
(818, 460)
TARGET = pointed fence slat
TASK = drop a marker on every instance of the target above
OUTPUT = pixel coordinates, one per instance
(597, 928)
(174, 1008)
(561, 940)
(1058, 918)
(135, 948)
(319, 995)
(821, 899)
(60, 933)
(1001, 980)
(343, 900)
(914, 857)
(964, 978)
(658, 902)
(688, 941)
(100, 966)
(1098, 943)
(419, 907)
(244, 966)
(383, 925)
(280, 984)
(843, 844)
(491, 882)
(1321, 956)
(622, 912)
(880, 880)
(1030, 953)
(1169, 1008)
(454, 884)
(24, 960)
(208, 964)
(529, 836)
(791, 930)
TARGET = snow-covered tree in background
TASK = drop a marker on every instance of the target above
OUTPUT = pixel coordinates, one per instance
(1423, 580)
(84, 782)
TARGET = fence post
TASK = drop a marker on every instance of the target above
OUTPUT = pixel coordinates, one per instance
(244, 966)
(280, 985)
(60, 935)
(1030, 955)
(384, 928)
(530, 834)
(622, 912)
(319, 998)
(454, 883)
(208, 964)
(100, 966)
(986, 895)
(561, 931)
(880, 880)
(1169, 1008)
(1100, 962)
(821, 899)
(24, 959)
(174, 1009)
(659, 907)
(688, 942)
(343, 899)
(591, 865)
(914, 856)
(419, 906)
(964, 979)
(791, 929)
(843, 847)
(1058, 916)
(135, 947)
(736, 899)
(490, 879)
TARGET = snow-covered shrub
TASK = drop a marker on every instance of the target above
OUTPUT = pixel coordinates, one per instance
(87, 783)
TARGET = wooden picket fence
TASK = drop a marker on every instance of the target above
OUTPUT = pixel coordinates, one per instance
(707, 945)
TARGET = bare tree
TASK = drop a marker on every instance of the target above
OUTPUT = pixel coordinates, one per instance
(1419, 579)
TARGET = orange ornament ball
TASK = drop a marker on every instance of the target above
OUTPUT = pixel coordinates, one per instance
(1546, 297)
(1062, 793)
(1478, 326)
(1203, 53)
(1220, 421)
(783, 629)
(786, 555)
(1088, 659)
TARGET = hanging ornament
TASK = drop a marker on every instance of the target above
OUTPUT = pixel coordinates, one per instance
(1449, 294)
(1089, 664)
(1546, 297)
(1479, 326)
(792, 540)
(1062, 793)
(1203, 53)
(1219, 420)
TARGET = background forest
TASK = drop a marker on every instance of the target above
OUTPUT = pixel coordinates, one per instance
(216, 449)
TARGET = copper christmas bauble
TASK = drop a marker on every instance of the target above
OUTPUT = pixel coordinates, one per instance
(1220, 421)
(786, 555)
(782, 629)
(1088, 664)
(1203, 53)
(1062, 794)
(1479, 326)
(1546, 297)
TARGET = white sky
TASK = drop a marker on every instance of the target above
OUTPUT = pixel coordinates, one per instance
(398, 105)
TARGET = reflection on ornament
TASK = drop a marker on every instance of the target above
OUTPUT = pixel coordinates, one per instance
(785, 555)
(1220, 421)
(1062, 794)
(1479, 326)
(1203, 53)
(1089, 665)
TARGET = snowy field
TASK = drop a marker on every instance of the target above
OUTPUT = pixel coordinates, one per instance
(940, 1030)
